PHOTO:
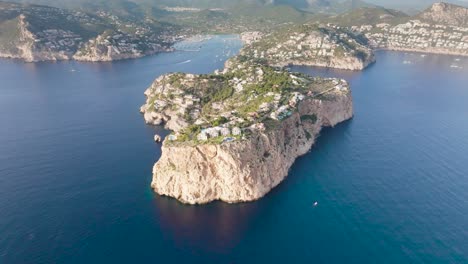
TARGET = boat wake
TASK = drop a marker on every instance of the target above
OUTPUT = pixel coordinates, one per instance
(184, 62)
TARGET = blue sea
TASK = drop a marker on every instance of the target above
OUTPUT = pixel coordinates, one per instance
(76, 158)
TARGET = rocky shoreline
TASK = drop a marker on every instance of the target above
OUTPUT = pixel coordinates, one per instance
(350, 64)
(91, 51)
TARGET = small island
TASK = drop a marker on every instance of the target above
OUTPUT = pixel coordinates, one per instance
(236, 132)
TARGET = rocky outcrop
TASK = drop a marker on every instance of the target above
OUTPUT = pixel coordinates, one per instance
(446, 14)
(100, 52)
(248, 169)
(236, 133)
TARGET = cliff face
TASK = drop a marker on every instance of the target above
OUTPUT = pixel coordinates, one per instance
(98, 50)
(24, 46)
(351, 63)
(248, 169)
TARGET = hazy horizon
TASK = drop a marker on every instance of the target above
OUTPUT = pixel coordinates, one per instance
(397, 4)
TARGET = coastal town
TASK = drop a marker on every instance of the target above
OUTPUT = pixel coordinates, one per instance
(312, 45)
(46, 33)
(57, 40)
(418, 36)
(113, 45)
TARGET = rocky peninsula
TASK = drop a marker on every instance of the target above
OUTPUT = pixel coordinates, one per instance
(236, 133)
(311, 45)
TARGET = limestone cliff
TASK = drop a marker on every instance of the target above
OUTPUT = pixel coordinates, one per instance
(245, 170)
(25, 45)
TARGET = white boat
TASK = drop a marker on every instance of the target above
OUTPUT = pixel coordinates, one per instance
(315, 204)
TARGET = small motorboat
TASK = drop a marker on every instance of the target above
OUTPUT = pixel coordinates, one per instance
(315, 204)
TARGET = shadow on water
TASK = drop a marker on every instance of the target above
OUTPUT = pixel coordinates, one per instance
(325, 138)
(215, 227)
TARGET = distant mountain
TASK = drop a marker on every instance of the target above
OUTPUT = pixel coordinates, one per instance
(447, 14)
(335, 6)
(438, 13)
(316, 6)
(368, 16)
(236, 19)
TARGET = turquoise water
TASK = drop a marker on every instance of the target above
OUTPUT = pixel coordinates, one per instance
(76, 160)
